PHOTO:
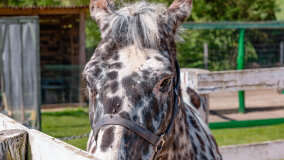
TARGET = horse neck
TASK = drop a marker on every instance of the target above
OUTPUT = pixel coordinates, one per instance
(178, 144)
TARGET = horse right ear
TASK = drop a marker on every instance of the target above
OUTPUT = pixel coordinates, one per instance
(100, 10)
(178, 12)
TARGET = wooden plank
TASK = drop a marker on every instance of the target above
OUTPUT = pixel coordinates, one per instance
(45, 147)
(40, 11)
(13, 144)
(259, 151)
(225, 81)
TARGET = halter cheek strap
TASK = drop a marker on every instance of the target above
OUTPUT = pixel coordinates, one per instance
(155, 140)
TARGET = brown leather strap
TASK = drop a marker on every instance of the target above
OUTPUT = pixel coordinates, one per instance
(138, 129)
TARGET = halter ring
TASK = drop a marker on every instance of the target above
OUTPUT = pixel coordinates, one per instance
(160, 143)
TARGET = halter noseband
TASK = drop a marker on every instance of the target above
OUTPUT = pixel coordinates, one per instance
(155, 140)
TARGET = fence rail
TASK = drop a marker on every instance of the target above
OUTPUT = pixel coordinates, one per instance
(227, 81)
(45, 147)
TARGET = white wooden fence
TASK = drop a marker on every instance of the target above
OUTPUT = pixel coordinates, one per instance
(44, 147)
(206, 82)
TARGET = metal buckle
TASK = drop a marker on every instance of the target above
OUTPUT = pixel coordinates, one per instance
(160, 143)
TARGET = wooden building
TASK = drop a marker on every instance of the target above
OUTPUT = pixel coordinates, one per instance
(62, 50)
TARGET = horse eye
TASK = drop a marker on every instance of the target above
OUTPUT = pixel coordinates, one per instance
(166, 82)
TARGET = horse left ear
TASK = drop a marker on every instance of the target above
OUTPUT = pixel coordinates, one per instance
(100, 10)
(179, 11)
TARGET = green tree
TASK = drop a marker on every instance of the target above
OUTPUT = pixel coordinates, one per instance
(233, 10)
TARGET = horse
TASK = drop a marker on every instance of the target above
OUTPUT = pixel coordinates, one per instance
(136, 109)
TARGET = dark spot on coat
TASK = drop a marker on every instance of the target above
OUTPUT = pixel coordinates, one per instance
(115, 65)
(175, 145)
(105, 27)
(181, 129)
(203, 157)
(146, 150)
(194, 147)
(112, 75)
(158, 58)
(147, 119)
(194, 97)
(145, 74)
(201, 142)
(146, 87)
(124, 115)
(135, 118)
(114, 86)
(112, 105)
(194, 123)
(211, 153)
(115, 56)
(132, 91)
(97, 72)
(107, 138)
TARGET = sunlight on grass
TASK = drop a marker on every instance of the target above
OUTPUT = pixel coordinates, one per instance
(248, 135)
(80, 143)
(70, 122)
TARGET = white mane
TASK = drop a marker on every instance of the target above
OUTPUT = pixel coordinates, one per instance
(137, 23)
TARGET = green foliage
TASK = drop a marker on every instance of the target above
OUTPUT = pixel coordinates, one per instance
(222, 43)
(233, 10)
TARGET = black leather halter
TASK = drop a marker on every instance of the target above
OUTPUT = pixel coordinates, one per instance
(156, 140)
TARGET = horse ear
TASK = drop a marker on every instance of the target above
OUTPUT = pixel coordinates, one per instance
(100, 10)
(179, 11)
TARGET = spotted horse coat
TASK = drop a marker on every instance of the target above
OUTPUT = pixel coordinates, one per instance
(132, 75)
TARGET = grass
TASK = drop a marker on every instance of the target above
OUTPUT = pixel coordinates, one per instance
(248, 135)
(70, 122)
(74, 122)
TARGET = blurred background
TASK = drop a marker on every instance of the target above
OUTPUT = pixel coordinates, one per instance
(64, 38)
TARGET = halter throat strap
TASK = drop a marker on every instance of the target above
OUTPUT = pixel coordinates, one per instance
(157, 141)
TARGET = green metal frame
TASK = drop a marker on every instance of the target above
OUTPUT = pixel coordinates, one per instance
(241, 49)
(234, 25)
(240, 66)
(247, 123)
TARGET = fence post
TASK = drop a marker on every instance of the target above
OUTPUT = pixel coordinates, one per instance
(13, 144)
(240, 66)
(205, 54)
(281, 58)
(189, 78)
(281, 53)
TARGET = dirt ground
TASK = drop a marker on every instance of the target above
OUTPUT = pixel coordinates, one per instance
(260, 104)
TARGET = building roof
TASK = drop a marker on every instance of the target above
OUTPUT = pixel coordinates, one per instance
(42, 10)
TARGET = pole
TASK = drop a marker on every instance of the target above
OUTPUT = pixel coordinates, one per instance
(282, 57)
(240, 66)
(205, 53)
(281, 54)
